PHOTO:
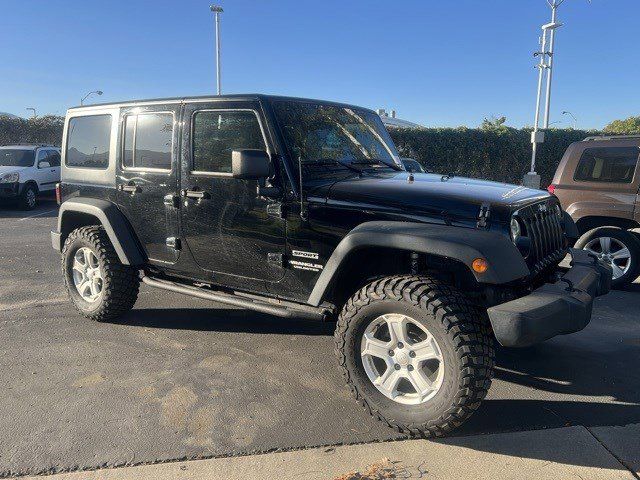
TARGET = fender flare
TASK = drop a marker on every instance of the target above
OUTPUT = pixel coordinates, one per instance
(113, 221)
(462, 244)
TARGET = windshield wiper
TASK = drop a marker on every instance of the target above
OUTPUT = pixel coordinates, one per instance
(374, 161)
(334, 161)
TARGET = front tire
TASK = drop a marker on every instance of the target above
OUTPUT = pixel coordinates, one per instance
(99, 285)
(425, 344)
(619, 248)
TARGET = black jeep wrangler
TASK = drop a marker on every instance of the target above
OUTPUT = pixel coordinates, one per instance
(303, 209)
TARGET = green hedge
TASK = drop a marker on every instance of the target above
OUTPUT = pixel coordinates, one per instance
(502, 154)
(46, 129)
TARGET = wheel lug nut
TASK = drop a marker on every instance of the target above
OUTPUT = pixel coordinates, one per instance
(412, 354)
(391, 353)
(410, 367)
(400, 344)
(396, 366)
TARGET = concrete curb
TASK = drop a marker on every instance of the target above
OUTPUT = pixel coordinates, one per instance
(570, 452)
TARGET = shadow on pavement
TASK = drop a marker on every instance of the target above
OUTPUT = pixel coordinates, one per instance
(46, 208)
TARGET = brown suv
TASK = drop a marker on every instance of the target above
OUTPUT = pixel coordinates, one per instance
(598, 183)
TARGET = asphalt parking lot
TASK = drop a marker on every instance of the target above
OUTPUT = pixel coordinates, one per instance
(180, 378)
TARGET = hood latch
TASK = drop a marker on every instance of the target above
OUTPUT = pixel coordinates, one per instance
(483, 215)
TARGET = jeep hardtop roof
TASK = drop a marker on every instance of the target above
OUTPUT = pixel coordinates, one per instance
(596, 138)
(214, 98)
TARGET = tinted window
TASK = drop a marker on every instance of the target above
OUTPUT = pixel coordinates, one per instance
(53, 158)
(13, 157)
(607, 164)
(216, 134)
(148, 141)
(88, 141)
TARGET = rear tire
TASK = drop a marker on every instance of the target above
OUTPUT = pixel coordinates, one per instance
(99, 285)
(460, 341)
(609, 245)
(29, 197)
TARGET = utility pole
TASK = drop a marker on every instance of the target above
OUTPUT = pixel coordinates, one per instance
(545, 66)
(33, 110)
(217, 10)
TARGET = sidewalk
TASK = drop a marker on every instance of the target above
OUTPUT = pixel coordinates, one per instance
(570, 452)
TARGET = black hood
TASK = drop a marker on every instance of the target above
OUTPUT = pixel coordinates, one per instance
(455, 198)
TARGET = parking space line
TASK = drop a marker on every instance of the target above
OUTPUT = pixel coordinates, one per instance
(37, 215)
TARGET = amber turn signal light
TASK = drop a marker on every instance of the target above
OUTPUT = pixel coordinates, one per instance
(480, 265)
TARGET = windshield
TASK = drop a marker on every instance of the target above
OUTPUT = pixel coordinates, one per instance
(319, 134)
(14, 157)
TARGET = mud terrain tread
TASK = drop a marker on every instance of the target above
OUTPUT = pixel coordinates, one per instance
(466, 323)
(121, 282)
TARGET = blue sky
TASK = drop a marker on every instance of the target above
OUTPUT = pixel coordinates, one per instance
(445, 63)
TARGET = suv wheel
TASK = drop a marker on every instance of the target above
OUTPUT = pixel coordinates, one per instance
(618, 248)
(29, 197)
(100, 286)
(415, 353)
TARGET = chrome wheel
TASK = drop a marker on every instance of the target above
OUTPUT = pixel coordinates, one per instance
(402, 359)
(87, 276)
(612, 251)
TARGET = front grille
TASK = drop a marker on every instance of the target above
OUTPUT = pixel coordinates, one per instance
(543, 229)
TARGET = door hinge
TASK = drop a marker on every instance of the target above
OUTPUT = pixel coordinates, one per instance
(276, 259)
(483, 215)
(175, 243)
(276, 210)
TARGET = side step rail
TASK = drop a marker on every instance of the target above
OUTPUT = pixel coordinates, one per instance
(288, 310)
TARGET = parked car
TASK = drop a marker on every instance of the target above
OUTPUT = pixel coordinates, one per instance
(412, 165)
(301, 208)
(598, 184)
(27, 171)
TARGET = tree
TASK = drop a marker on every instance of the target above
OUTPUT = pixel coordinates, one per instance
(627, 126)
(494, 123)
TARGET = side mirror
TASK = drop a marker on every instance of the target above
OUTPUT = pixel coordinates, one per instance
(250, 164)
(44, 164)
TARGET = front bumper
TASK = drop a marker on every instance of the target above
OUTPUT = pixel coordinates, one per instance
(9, 190)
(555, 308)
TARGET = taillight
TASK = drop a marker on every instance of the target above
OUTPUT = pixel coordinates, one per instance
(551, 189)
(58, 196)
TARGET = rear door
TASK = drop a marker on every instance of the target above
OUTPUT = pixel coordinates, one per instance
(146, 183)
(47, 176)
(231, 231)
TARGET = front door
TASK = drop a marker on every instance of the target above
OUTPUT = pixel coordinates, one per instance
(229, 229)
(147, 177)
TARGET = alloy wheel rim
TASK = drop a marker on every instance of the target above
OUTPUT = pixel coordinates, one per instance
(31, 197)
(402, 359)
(612, 251)
(87, 275)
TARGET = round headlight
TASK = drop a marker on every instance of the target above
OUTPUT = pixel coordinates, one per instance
(515, 229)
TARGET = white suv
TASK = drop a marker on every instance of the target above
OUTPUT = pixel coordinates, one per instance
(28, 170)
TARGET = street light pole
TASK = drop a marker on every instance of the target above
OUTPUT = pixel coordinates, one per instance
(217, 10)
(97, 92)
(575, 120)
(33, 110)
(532, 179)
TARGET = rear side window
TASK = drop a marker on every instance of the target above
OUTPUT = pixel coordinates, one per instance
(53, 158)
(217, 133)
(607, 164)
(88, 140)
(148, 141)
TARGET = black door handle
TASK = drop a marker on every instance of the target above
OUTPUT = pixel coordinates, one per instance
(199, 194)
(130, 188)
